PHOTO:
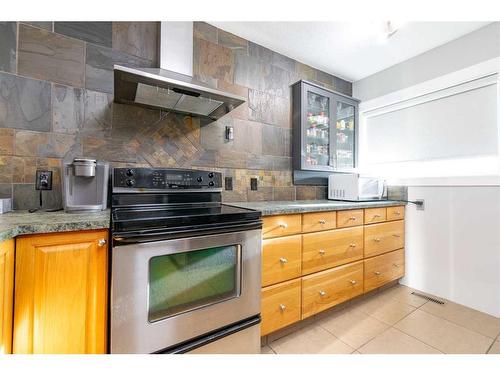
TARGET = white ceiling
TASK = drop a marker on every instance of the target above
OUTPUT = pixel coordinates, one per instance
(351, 50)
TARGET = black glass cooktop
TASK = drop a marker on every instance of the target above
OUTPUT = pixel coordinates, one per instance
(180, 216)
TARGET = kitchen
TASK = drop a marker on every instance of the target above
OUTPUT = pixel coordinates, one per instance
(202, 208)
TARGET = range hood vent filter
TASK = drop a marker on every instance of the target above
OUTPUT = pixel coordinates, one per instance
(164, 89)
(175, 101)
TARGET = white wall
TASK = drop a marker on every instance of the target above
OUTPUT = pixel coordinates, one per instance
(453, 246)
(480, 45)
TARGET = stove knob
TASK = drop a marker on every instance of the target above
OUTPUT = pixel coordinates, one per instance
(211, 183)
(199, 179)
(130, 172)
(211, 175)
(130, 182)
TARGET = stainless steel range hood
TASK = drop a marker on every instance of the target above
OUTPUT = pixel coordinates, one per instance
(160, 88)
(170, 90)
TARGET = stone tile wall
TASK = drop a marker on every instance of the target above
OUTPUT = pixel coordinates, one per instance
(56, 101)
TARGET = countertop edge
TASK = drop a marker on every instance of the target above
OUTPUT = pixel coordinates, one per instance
(273, 208)
(9, 230)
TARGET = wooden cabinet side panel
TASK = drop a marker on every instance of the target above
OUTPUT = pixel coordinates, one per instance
(6, 295)
(61, 293)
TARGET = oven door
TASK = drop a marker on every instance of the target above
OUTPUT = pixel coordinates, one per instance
(167, 292)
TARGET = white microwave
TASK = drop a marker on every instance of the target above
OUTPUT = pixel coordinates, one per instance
(353, 187)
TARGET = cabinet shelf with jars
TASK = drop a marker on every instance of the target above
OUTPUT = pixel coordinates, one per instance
(324, 129)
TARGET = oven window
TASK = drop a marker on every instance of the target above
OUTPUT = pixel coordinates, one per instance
(185, 281)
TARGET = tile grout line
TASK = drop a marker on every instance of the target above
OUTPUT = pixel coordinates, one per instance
(338, 338)
(448, 322)
(359, 312)
(374, 337)
(459, 325)
(416, 338)
(493, 343)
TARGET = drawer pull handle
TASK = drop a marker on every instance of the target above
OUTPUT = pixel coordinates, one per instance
(322, 252)
(395, 265)
(101, 242)
(376, 239)
(282, 307)
(352, 245)
(377, 273)
(397, 213)
(353, 218)
(283, 226)
(353, 282)
(376, 215)
(322, 293)
(322, 221)
(283, 260)
(397, 235)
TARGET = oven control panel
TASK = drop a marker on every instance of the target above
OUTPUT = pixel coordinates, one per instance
(165, 179)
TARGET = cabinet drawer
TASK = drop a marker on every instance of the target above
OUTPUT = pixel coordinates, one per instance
(332, 248)
(281, 259)
(375, 215)
(317, 221)
(349, 218)
(381, 269)
(281, 225)
(329, 288)
(384, 237)
(280, 306)
(396, 213)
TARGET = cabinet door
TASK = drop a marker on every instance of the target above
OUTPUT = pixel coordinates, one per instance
(6, 295)
(345, 130)
(317, 120)
(61, 293)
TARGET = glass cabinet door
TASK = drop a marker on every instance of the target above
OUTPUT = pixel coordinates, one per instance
(345, 129)
(317, 130)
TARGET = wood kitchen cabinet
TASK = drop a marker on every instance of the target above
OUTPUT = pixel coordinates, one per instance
(315, 261)
(61, 293)
(6, 295)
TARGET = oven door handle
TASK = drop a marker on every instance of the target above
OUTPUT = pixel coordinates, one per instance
(147, 236)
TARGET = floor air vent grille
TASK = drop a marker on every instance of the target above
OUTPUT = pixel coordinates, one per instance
(431, 299)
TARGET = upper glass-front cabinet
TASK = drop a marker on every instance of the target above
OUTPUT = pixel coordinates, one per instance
(324, 129)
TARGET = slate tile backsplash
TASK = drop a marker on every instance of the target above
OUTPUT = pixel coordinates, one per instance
(50, 56)
(56, 101)
(24, 103)
(92, 32)
(8, 35)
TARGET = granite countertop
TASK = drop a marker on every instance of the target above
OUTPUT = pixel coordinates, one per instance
(269, 208)
(22, 222)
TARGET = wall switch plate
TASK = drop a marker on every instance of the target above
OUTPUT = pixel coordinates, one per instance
(420, 204)
(43, 180)
(228, 183)
(253, 183)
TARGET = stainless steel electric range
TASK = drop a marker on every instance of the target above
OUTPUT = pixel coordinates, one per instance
(185, 272)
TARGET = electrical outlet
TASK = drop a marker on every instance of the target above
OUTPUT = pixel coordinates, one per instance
(420, 204)
(253, 183)
(228, 183)
(43, 180)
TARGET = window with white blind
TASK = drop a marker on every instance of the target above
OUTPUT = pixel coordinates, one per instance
(421, 135)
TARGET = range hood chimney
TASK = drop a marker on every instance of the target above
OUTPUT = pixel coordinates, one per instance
(172, 86)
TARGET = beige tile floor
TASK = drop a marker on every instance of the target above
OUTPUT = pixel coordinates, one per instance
(392, 321)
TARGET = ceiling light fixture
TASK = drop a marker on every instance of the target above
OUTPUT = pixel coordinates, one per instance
(389, 28)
